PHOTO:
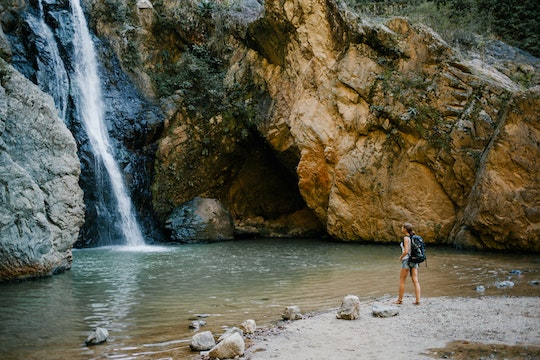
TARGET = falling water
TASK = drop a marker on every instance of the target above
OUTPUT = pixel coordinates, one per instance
(51, 75)
(91, 109)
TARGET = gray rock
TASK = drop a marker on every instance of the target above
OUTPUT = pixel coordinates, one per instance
(199, 220)
(384, 310)
(350, 308)
(229, 347)
(292, 313)
(202, 341)
(480, 288)
(97, 336)
(195, 325)
(41, 203)
(504, 284)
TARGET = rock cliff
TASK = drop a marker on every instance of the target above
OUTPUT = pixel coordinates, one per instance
(41, 206)
(380, 124)
(392, 125)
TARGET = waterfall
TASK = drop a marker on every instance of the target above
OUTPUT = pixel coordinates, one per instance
(90, 105)
(51, 75)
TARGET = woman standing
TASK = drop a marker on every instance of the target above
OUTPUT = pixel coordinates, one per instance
(407, 267)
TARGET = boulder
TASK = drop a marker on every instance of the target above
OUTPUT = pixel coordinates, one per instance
(350, 308)
(202, 341)
(200, 220)
(230, 347)
(41, 203)
(292, 313)
(384, 310)
(97, 336)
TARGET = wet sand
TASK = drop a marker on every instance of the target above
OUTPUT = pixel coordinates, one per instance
(442, 327)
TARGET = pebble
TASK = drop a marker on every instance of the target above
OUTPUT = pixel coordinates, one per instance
(504, 284)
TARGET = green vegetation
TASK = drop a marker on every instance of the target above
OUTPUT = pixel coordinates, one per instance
(516, 22)
(194, 65)
(198, 77)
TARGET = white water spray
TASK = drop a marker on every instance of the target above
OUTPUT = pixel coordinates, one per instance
(91, 109)
(57, 83)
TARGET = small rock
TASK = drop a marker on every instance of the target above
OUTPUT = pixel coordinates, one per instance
(534, 282)
(480, 288)
(144, 4)
(291, 313)
(195, 325)
(515, 272)
(350, 308)
(504, 284)
(97, 336)
(384, 311)
(202, 341)
(248, 326)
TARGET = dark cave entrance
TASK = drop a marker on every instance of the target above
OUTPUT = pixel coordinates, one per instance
(263, 196)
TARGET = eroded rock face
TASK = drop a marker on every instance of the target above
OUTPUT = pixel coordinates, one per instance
(41, 206)
(505, 199)
(391, 125)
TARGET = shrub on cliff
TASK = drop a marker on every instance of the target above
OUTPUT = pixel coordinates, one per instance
(516, 22)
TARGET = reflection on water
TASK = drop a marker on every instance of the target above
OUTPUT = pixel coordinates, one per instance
(146, 297)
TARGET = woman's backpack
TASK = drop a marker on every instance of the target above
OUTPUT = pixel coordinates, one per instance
(418, 250)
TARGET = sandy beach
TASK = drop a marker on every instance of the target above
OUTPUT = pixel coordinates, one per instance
(449, 328)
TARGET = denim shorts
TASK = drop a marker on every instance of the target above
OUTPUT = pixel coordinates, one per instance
(406, 265)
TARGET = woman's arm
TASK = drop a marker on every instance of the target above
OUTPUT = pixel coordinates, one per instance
(406, 246)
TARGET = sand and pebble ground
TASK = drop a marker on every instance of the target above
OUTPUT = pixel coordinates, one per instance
(442, 327)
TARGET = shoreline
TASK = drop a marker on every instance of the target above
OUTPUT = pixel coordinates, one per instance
(493, 327)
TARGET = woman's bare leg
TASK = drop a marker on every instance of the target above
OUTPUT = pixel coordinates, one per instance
(416, 283)
(402, 278)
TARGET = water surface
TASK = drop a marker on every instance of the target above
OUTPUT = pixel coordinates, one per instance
(146, 297)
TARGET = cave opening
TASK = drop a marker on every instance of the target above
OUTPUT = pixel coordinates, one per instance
(264, 198)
